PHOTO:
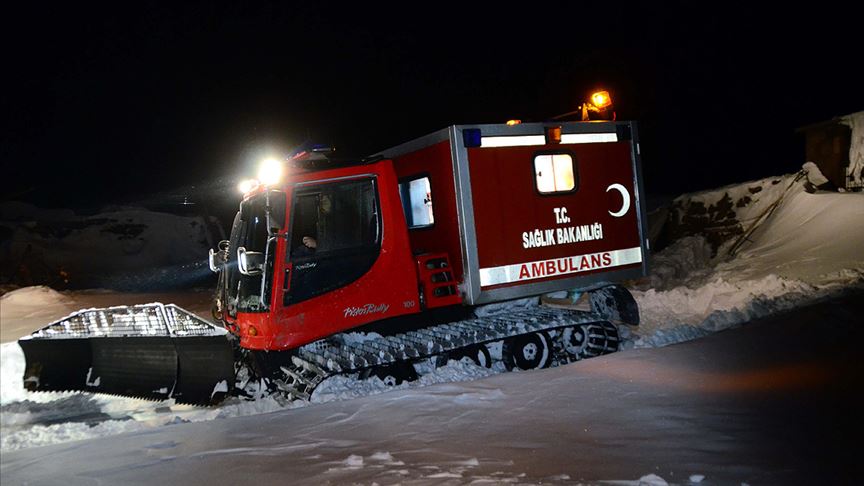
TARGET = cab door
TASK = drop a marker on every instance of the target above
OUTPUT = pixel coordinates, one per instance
(335, 236)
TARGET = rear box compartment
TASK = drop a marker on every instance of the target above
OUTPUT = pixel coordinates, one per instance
(521, 213)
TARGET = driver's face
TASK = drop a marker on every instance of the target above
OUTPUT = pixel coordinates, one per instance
(326, 205)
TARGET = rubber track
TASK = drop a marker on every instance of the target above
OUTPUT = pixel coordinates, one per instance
(345, 354)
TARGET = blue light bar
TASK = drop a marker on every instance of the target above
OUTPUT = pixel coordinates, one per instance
(471, 137)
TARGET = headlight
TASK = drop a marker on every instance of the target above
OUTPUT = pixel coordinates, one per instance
(247, 185)
(270, 172)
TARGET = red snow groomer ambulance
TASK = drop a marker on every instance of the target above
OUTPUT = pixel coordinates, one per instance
(408, 243)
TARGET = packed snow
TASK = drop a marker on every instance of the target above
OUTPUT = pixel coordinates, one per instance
(807, 250)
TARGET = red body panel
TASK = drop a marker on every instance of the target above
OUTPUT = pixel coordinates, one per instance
(507, 205)
(436, 161)
(388, 289)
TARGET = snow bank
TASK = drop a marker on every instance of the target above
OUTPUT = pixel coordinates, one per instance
(809, 249)
(810, 237)
(725, 213)
(11, 374)
(23, 310)
(747, 200)
(31, 301)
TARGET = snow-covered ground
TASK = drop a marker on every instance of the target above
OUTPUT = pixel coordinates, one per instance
(810, 249)
(768, 403)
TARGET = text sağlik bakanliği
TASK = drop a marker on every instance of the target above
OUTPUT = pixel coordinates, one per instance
(560, 236)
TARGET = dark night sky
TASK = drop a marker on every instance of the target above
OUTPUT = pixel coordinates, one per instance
(109, 103)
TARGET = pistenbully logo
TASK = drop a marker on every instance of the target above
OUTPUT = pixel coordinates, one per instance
(366, 309)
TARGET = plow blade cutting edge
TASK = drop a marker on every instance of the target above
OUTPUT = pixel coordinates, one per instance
(151, 351)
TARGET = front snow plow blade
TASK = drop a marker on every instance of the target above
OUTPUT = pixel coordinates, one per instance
(151, 351)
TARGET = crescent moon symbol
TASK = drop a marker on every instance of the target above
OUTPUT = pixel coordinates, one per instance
(624, 195)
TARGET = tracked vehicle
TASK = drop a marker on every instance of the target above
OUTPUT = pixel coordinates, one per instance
(367, 267)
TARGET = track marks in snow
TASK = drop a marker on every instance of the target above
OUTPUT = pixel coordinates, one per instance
(376, 461)
(384, 463)
(163, 445)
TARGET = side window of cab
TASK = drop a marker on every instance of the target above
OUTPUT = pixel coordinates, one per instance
(335, 236)
(416, 195)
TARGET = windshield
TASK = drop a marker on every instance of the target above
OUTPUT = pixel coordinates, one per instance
(251, 293)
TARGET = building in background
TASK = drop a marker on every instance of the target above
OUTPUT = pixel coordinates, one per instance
(836, 146)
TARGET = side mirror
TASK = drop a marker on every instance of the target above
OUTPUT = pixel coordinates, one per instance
(221, 255)
(211, 259)
(250, 262)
